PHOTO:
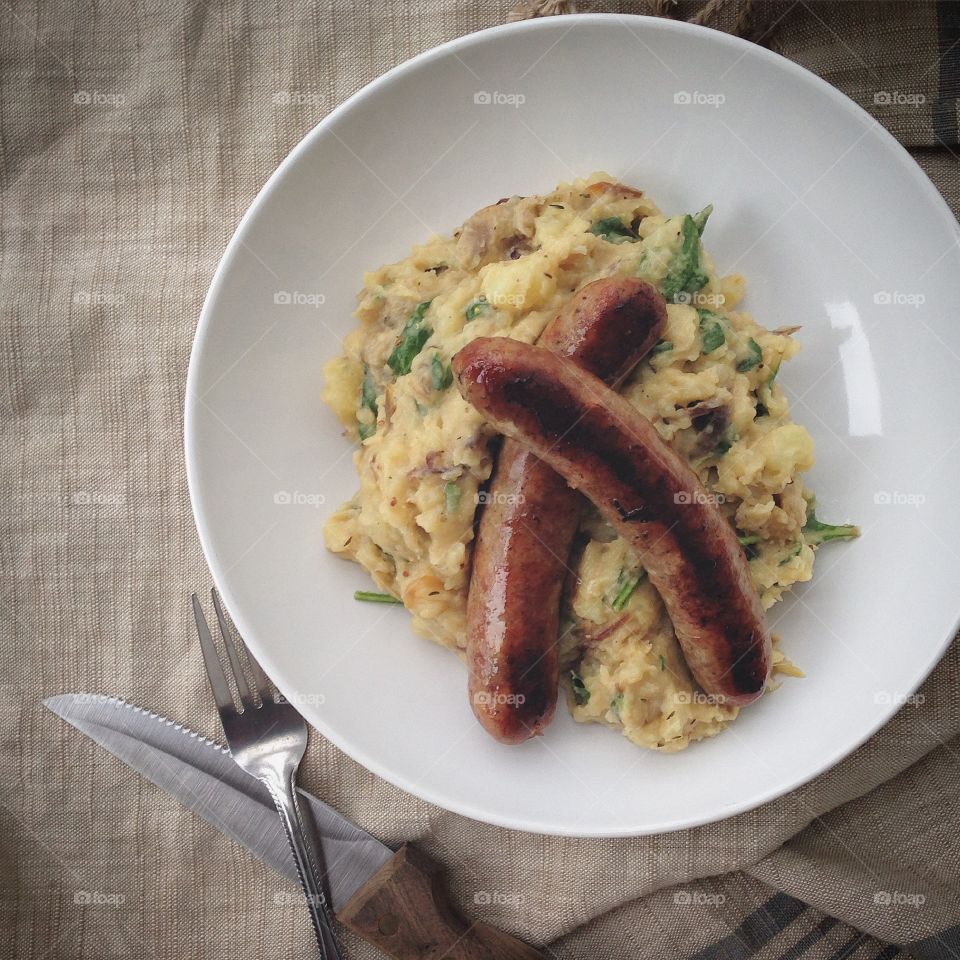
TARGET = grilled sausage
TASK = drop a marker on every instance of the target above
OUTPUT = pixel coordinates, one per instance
(529, 521)
(611, 453)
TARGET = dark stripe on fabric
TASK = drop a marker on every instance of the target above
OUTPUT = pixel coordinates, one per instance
(948, 90)
(806, 942)
(941, 946)
(854, 943)
(888, 953)
(755, 930)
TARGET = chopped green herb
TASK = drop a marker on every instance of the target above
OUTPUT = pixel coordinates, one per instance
(685, 274)
(613, 230)
(661, 346)
(475, 308)
(753, 357)
(441, 373)
(368, 401)
(451, 497)
(793, 553)
(415, 334)
(711, 330)
(616, 704)
(816, 532)
(748, 541)
(369, 597)
(763, 399)
(700, 219)
(368, 391)
(580, 692)
(627, 583)
(729, 438)
(663, 662)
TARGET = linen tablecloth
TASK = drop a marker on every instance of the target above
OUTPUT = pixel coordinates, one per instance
(132, 138)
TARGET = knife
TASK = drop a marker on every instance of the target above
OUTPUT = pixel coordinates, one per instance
(393, 899)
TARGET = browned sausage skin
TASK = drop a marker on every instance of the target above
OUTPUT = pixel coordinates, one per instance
(529, 521)
(610, 452)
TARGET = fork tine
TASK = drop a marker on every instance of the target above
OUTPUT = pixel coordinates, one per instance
(262, 680)
(239, 678)
(215, 674)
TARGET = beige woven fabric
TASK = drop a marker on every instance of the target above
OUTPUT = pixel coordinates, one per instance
(132, 138)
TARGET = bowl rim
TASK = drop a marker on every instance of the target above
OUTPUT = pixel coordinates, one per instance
(237, 241)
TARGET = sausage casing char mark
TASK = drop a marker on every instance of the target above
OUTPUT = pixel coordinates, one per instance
(610, 452)
(530, 518)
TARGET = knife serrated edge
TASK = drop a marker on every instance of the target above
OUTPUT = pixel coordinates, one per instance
(127, 705)
(321, 811)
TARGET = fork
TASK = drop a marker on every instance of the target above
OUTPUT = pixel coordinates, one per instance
(267, 738)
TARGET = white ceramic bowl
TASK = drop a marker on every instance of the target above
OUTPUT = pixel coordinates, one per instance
(835, 228)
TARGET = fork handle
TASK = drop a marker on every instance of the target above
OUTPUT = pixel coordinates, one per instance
(304, 850)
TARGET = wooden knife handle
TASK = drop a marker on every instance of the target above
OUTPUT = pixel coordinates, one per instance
(403, 910)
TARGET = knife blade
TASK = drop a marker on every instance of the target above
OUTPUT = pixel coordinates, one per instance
(393, 899)
(202, 775)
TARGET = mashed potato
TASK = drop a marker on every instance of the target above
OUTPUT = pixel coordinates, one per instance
(424, 454)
